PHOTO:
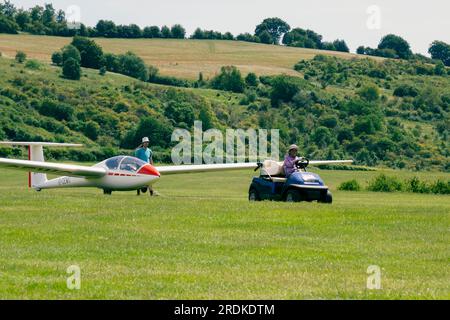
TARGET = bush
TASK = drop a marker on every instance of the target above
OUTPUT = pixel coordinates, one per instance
(440, 187)
(91, 53)
(383, 183)
(406, 90)
(8, 25)
(251, 80)
(416, 186)
(56, 110)
(369, 92)
(351, 185)
(21, 56)
(229, 79)
(132, 65)
(33, 65)
(72, 69)
(57, 58)
(70, 51)
(284, 88)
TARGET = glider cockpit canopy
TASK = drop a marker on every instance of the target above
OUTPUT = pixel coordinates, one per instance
(123, 163)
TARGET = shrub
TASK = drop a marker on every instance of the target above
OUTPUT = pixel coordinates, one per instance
(440, 187)
(71, 69)
(229, 79)
(102, 71)
(284, 88)
(416, 186)
(91, 130)
(251, 80)
(56, 110)
(90, 52)
(71, 52)
(406, 90)
(383, 183)
(21, 56)
(132, 65)
(33, 65)
(369, 92)
(351, 185)
(57, 58)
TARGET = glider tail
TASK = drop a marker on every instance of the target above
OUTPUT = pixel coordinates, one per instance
(36, 153)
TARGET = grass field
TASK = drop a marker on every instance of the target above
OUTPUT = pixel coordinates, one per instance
(180, 58)
(203, 239)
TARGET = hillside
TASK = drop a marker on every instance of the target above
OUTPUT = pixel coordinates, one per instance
(378, 112)
(179, 58)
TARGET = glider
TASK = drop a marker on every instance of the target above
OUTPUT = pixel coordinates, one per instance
(121, 173)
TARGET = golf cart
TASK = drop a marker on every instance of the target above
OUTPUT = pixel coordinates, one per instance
(272, 184)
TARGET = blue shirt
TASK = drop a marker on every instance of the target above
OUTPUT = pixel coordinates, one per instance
(145, 155)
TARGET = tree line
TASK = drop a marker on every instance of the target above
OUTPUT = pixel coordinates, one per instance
(45, 20)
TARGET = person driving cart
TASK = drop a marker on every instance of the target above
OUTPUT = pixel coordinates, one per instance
(291, 160)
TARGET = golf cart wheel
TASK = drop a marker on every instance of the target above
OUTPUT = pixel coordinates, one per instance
(253, 195)
(293, 196)
(328, 198)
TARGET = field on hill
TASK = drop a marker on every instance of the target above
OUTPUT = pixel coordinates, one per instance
(180, 58)
(204, 240)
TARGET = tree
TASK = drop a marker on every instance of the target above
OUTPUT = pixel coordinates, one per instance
(21, 56)
(400, 45)
(248, 38)
(340, 45)
(90, 52)
(361, 50)
(57, 58)
(165, 32)
(71, 69)
(8, 25)
(48, 15)
(111, 62)
(133, 66)
(265, 37)
(369, 92)
(251, 80)
(152, 32)
(180, 113)
(8, 9)
(178, 32)
(198, 34)
(70, 51)
(22, 18)
(275, 27)
(106, 28)
(284, 89)
(440, 50)
(229, 79)
(91, 130)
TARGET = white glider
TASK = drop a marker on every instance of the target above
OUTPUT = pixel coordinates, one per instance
(121, 173)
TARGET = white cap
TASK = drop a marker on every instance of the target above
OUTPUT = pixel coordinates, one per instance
(144, 140)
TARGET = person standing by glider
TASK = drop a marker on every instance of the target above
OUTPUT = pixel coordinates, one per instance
(144, 153)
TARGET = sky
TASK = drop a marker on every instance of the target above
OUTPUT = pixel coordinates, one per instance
(358, 22)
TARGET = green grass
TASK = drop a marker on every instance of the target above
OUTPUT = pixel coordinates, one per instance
(203, 239)
(179, 58)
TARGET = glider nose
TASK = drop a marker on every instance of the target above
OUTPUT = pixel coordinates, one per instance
(149, 170)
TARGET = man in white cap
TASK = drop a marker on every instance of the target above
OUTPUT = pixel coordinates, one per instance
(144, 153)
(290, 160)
